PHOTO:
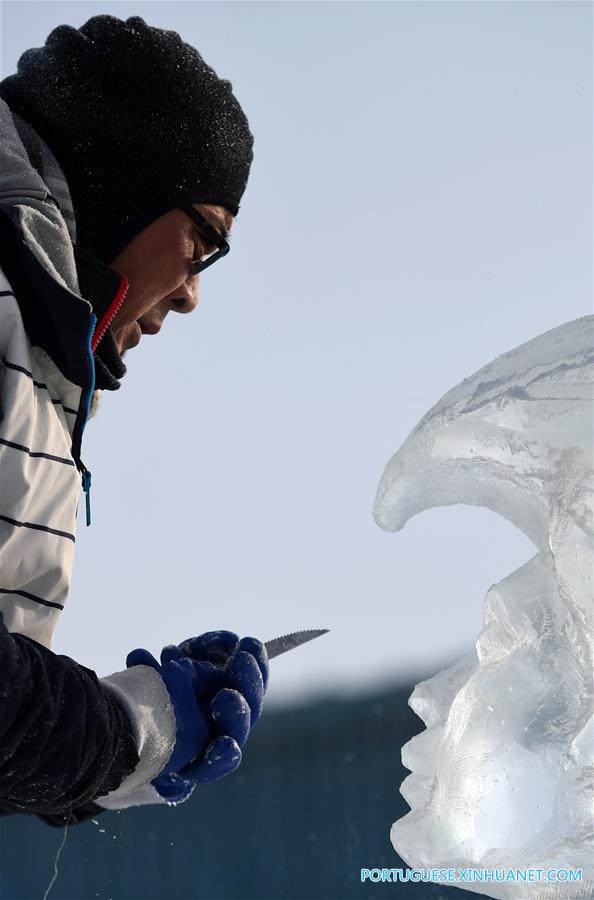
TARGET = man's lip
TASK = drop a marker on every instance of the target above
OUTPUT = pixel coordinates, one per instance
(149, 327)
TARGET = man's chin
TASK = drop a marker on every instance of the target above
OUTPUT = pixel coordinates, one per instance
(132, 337)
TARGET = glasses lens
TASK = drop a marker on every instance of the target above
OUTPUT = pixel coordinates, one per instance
(216, 245)
(214, 251)
(205, 261)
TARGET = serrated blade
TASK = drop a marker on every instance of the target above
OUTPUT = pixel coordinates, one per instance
(290, 641)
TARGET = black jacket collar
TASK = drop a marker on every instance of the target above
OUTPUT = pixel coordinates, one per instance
(99, 284)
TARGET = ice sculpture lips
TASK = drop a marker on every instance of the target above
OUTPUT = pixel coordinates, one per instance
(499, 776)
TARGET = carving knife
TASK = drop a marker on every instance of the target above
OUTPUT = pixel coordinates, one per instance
(290, 641)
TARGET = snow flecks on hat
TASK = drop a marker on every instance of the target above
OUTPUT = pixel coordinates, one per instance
(138, 121)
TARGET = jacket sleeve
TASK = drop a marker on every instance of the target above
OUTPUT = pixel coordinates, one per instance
(64, 739)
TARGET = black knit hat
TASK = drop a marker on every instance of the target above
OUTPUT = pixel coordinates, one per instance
(138, 122)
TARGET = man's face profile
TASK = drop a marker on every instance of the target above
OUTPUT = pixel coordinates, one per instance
(157, 265)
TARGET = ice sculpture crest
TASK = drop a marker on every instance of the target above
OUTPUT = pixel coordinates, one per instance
(502, 775)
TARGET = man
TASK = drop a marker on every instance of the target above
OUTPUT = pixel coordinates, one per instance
(123, 159)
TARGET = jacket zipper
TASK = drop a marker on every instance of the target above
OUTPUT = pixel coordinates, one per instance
(112, 311)
(84, 472)
(86, 485)
(94, 338)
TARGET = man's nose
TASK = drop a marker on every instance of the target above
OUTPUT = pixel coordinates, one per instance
(185, 299)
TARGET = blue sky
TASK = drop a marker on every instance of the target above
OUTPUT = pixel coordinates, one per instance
(420, 202)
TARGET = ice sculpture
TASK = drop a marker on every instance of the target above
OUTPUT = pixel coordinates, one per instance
(502, 775)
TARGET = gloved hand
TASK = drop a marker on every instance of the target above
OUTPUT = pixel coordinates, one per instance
(216, 684)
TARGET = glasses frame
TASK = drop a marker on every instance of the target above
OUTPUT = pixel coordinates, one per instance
(213, 237)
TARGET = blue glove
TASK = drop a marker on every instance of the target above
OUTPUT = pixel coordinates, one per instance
(216, 684)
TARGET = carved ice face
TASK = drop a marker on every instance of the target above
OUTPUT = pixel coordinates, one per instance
(502, 775)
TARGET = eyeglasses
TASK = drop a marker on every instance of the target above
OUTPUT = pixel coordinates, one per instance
(212, 239)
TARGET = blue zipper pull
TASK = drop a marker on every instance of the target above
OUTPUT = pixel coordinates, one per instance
(86, 483)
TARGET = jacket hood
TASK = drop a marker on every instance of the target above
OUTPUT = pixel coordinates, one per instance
(35, 199)
(64, 294)
(44, 225)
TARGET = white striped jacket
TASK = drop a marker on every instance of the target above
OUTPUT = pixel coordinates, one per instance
(46, 383)
(39, 481)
